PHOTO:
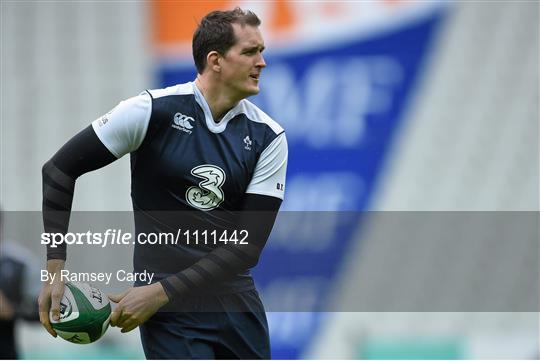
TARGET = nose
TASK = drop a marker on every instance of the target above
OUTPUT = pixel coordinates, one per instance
(260, 61)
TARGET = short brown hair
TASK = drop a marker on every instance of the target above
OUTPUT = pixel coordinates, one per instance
(215, 33)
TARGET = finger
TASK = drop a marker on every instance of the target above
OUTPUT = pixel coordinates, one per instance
(124, 319)
(55, 305)
(44, 304)
(44, 319)
(116, 314)
(129, 326)
(118, 297)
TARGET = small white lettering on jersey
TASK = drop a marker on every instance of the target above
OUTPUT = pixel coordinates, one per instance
(182, 122)
(103, 120)
(247, 142)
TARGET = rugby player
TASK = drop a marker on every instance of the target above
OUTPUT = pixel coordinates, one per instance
(211, 160)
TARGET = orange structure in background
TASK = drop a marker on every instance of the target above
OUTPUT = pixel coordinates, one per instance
(175, 20)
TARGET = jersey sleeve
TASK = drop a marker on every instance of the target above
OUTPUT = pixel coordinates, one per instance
(270, 172)
(122, 130)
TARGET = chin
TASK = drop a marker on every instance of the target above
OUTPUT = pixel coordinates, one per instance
(247, 91)
(250, 92)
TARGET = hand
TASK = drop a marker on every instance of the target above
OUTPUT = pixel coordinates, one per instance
(50, 296)
(136, 305)
(6, 309)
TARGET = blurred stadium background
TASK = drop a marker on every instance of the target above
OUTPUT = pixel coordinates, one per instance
(396, 107)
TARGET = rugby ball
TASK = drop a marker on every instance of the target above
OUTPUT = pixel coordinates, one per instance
(85, 312)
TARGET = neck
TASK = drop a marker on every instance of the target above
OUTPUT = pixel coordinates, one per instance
(219, 100)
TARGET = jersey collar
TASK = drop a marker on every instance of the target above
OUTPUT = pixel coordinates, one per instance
(213, 126)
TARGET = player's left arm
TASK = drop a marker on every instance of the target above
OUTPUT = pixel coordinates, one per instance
(261, 204)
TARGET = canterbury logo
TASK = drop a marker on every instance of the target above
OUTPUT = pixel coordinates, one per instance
(182, 122)
(208, 195)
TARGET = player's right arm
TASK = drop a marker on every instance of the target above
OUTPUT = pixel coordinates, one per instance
(117, 133)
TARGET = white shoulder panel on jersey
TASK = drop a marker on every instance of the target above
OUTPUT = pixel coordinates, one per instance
(270, 171)
(255, 114)
(179, 89)
(122, 130)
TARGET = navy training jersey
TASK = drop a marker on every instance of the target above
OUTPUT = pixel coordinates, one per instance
(191, 173)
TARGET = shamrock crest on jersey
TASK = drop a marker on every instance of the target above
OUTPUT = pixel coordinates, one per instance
(208, 195)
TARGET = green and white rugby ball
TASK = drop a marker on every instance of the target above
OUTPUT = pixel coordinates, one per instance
(85, 312)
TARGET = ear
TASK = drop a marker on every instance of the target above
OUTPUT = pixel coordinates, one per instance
(212, 59)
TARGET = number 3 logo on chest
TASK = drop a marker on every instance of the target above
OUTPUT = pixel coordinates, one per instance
(208, 195)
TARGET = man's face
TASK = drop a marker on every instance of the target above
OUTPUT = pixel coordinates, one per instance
(241, 66)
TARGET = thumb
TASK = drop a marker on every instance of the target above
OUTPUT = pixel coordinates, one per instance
(118, 297)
